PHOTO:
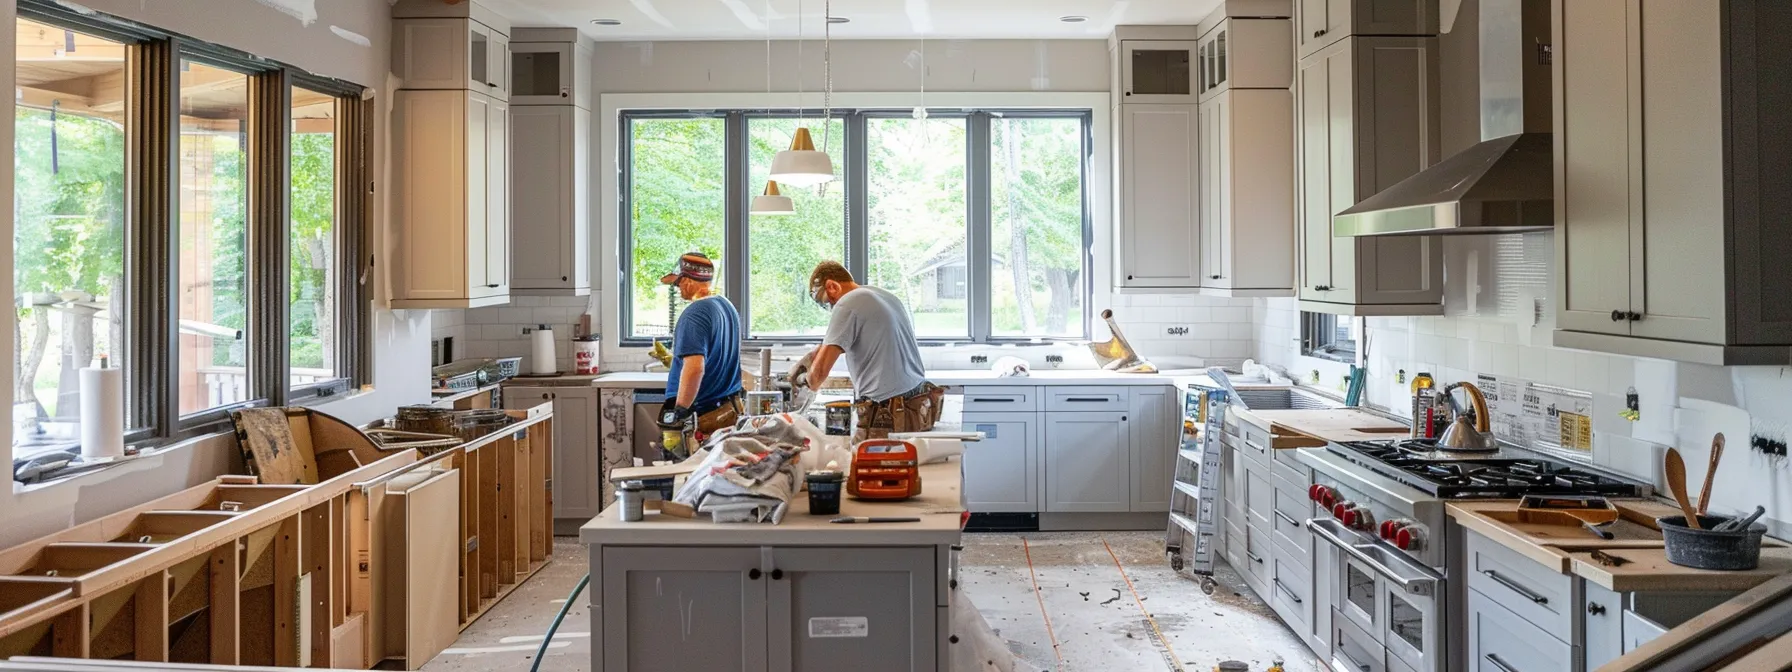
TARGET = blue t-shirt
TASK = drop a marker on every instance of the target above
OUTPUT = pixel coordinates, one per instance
(709, 327)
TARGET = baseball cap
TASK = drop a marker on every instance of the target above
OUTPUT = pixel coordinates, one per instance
(693, 265)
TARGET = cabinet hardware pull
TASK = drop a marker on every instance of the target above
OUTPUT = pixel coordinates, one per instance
(1495, 659)
(1349, 662)
(1129, 277)
(1291, 522)
(1618, 315)
(1634, 316)
(1595, 608)
(1095, 400)
(992, 400)
(492, 286)
(544, 395)
(1285, 589)
(1521, 590)
(753, 574)
(1253, 557)
(777, 575)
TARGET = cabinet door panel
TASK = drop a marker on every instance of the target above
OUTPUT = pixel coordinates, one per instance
(875, 607)
(1500, 641)
(645, 589)
(1257, 230)
(1159, 71)
(1313, 91)
(1310, 22)
(1159, 177)
(429, 53)
(1341, 168)
(497, 199)
(479, 111)
(1154, 427)
(1087, 468)
(578, 478)
(1594, 180)
(1002, 474)
(1683, 202)
(433, 264)
(541, 210)
(1395, 133)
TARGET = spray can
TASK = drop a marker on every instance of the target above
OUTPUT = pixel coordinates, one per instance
(1423, 400)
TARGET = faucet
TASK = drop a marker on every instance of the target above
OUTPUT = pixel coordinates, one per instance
(1461, 435)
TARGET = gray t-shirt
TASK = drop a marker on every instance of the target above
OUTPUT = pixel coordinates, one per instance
(874, 329)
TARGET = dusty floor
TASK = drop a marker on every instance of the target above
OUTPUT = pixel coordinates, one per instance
(1094, 617)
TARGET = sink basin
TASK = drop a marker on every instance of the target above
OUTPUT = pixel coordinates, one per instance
(1284, 399)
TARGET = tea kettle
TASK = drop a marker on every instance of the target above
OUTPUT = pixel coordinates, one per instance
(1461, 435)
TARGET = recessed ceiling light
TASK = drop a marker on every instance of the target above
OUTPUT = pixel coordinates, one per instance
(1073, 19)
(606, 22)
(838, 19)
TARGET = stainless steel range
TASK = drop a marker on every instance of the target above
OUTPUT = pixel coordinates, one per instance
(1383, 520)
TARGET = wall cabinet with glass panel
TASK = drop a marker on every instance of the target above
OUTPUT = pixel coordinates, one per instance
(1157, 195)
(550, 163)
(437, 45)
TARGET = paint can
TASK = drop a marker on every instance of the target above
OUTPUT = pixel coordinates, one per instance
(584, 355)
(632, 496)
(763, 402)
(824, 492)
(839, 419)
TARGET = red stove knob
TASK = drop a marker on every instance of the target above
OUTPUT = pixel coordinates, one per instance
(1349, 517)
(1409, 538)
(1315, 491)
(1388, 528)
(1328, 498)
(1339, 509)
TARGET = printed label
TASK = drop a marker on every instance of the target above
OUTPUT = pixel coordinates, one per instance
(842, 626)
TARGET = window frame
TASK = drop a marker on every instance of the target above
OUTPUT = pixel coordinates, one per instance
(852, 167)
(1318, 337)
(152, 223)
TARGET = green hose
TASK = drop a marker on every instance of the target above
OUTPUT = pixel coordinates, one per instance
(557, 619)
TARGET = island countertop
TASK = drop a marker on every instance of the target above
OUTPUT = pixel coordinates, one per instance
(939, 507)
(946, 377)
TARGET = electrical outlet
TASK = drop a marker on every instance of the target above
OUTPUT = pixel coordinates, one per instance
(1400, 377)
(1315, 376)
(1176, 330)
(979, 359)
(1054, 360)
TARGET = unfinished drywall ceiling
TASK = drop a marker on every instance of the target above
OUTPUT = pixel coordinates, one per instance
(867, 19)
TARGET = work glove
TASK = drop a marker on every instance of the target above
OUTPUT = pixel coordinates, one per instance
(798, 376)
(675, 417)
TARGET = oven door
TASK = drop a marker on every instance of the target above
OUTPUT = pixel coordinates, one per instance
(1413, 627)
(1393, 600)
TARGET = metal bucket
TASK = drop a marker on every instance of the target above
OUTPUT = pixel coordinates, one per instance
(1705, 549)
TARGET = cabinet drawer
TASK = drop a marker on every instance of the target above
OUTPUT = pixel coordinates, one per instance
(1353, 649)
(1286, 457)
(1290, 593)
(1537, 594)
(1291, 534)
(1259, 497)
(1502, 641)
(1639, 630)
(1109, 398)
(1293, 478)
(1001, 399)
(1253, 442)
(1235, 546)
(1604, 625)
(1256, 558)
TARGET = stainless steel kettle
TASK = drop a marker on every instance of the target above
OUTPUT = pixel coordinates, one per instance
(1461, 435)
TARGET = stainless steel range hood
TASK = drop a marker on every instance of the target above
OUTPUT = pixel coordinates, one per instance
(1504, 184)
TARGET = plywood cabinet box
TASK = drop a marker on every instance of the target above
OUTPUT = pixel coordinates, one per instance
(577, 478)
(1367, 116)
(1671, 180)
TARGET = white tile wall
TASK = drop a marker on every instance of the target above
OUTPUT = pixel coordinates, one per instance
(1682, 404)
(500, 331)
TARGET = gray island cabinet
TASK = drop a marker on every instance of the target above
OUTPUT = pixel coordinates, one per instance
(687, 594)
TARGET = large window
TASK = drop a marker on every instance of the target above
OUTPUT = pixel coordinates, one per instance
(167, 244)
(976, 219)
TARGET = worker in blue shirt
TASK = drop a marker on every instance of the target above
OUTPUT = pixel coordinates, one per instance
(704, 381)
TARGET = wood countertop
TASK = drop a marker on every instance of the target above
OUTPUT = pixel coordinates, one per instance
(939, 508)
(1336, 425)
(1649, 570)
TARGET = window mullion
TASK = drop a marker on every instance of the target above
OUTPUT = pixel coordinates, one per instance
(268, 268)
(352, 240)
(858, 208)
(736, 248)
(977, 295)
(152, 256)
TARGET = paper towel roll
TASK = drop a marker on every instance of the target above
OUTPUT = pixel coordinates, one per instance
(542, 360)
(102, 411)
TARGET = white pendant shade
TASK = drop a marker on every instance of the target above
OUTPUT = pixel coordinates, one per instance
(772, 203)
(802, 165)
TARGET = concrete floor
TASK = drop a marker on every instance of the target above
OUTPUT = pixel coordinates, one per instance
(1094, 617)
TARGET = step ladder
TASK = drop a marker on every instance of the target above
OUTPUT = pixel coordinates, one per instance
(1189, 538)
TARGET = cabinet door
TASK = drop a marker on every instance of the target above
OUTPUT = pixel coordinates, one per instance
(431, 218)
(497, 199)
(1216, 185)
(1604, 625)
(873, 606)
(1683, 255)
(479, 58)
(430, 53)
(1312, 89)
(541, 73)
(1500, 641)
(541, 161)
(1257, 224)
(1394, 134)
(1159, 177)
(1158, 71)
(498, 52)
(1087, 468)
(478, 195)
(1597, 184)
(648, 617)
(1259, 496)
(1155, 429)
(1311, 26)
(577, 472)
(1001, 473)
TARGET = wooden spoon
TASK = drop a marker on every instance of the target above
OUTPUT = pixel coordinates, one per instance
(1676, 473)
(1717, 451)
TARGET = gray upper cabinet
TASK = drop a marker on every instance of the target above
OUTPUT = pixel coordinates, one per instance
(1318, 23)
(1670, 179)
(471, 54)
(1245, 53)
(1154, 426)
(551, 203)
(1089, 465)
(1366, 117)
(1158, 243)
(550, 66)
(1157, 71)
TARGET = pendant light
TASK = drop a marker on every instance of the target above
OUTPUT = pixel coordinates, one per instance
(771, 203)
(802, 165)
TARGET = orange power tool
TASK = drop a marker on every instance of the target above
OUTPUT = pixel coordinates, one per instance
(884, 469)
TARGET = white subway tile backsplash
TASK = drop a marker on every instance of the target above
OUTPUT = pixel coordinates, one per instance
(482, 316)
(1561, 368)
(1231, 314)
(1590, 372)
(508, 315)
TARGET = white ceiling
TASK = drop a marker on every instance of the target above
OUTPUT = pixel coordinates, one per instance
(870, 19)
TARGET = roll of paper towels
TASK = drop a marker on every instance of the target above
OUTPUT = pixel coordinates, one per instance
(542, 360)
(102, 411)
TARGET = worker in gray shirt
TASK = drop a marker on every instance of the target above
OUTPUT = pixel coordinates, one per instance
(872, 328)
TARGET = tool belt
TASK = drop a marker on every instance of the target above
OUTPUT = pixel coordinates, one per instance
(724, 415)
(676, 439)
(916, 411)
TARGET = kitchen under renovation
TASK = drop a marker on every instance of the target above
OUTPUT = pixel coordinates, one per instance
(899, 335)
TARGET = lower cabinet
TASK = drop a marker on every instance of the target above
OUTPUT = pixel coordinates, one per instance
(1502, 641)
(1001, 472)
(672, 608)
(1154, 428)
(1088, 466)
(578, 481)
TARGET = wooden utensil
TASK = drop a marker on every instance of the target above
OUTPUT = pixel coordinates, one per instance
(1717, 451)
(1676, 473)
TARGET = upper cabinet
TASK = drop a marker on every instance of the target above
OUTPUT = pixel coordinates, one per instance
(550, 66)
(452, 53)
(550, 155)
(1319, 23)
(1671, 179)
(1244, 53)
(1366, 111)
(1159, 246)
(1246, 217)
(1157, 71)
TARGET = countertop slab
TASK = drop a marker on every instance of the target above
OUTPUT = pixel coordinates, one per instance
(939, 507)
(1649, 570)
(1336, 425)
(656, 380)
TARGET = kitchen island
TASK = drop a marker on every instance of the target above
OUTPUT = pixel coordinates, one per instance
(678, 593)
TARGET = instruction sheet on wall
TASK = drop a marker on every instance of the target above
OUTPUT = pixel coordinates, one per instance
(1537, 415)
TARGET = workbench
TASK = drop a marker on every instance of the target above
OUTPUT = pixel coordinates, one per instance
(685, 593)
